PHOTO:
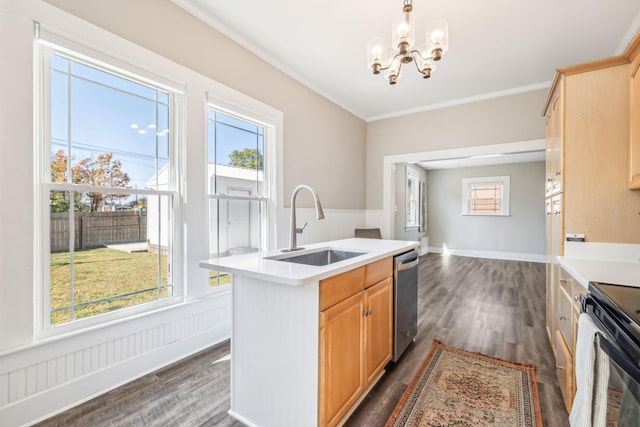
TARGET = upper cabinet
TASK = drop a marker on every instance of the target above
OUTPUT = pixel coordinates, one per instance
(633, 53)
(587, 152)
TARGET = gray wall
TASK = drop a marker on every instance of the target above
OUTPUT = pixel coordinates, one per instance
(522, 233)
(510, 118)
(401, 206)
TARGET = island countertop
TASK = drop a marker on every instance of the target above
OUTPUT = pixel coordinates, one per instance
(288, 273)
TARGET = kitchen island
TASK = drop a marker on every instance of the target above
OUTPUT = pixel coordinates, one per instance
(297, 329)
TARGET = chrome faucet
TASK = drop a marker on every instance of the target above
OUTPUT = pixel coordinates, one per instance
(295, 230)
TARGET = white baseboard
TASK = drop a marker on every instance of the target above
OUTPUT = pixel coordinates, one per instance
(513, 256)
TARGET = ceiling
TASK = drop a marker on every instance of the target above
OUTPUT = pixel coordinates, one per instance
(496, 47)
(483, 160)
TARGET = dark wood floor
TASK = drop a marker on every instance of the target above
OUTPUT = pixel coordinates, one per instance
(495, 307)
(492, 306)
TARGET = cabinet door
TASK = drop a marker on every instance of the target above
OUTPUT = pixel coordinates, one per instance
(634, 126)
(556, 136)
(564, 370)
(378, 330)
(565, 317)
(341, 358)
(550, 289)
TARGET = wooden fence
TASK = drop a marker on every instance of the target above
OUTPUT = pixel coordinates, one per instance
(95, 229)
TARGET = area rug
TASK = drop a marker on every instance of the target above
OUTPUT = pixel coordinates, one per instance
(459, 388)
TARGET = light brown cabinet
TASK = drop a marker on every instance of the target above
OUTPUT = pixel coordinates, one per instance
(378, 328)
(634, 114)
(566, 316)
(341, 357)
(355, 336)
(593, 154)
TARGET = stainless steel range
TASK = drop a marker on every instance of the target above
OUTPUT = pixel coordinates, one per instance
(615, 309)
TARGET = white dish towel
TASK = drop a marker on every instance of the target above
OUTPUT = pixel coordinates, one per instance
(589, 407)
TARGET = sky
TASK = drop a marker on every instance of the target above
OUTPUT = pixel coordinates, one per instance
(100, 112)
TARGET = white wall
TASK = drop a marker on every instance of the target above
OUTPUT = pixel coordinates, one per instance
(518, 236)
(507, 119)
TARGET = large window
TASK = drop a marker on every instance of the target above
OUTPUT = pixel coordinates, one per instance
(108, 187)
(238, 193)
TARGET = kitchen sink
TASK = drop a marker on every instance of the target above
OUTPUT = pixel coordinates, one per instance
(318, 258)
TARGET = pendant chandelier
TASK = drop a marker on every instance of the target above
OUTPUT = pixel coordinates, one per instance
(403, 41)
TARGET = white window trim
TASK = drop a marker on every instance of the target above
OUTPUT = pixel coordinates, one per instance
(46, 41)
(503, 181)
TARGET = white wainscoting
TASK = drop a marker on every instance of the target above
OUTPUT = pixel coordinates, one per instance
(337, 224)
(40, 380)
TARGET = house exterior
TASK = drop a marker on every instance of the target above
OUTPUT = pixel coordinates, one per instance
(243, 231)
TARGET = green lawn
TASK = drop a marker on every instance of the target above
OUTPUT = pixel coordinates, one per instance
(101, 273)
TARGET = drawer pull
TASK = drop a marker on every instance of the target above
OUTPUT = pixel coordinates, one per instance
(563, 317)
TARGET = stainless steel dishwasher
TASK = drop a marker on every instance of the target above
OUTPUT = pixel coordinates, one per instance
(405, 301)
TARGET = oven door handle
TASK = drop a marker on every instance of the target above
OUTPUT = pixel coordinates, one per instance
(621, 359)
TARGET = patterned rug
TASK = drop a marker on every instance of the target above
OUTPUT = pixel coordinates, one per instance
(463, 389)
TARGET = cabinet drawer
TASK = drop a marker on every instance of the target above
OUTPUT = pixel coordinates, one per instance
(571, 285)
(564, 370)
(566, 281)
(339, 287)
(377, 271)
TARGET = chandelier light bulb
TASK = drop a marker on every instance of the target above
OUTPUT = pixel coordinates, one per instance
(376, 49)
(402, 30)
(437, 33)
(402, 41)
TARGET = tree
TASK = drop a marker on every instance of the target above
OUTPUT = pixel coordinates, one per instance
(102, 171)
(249, 158)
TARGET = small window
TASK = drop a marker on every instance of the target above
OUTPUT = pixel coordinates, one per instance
(238, 196)
(486, 196)
(413, 198)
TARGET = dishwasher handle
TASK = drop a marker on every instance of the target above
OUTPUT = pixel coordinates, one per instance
(407, 265)
(406, 260)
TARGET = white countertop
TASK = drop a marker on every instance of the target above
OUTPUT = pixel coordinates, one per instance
(616, 272)
(289, 273)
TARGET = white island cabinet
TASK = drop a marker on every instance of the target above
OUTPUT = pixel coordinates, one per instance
(276, 329)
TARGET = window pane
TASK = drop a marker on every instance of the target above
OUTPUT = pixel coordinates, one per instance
(115, 82)
(486, 198)
(103, 280)
(235, 227)
(236, 154)
(117, 258)
(59, 112)
(111, 124)
(412, 198)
